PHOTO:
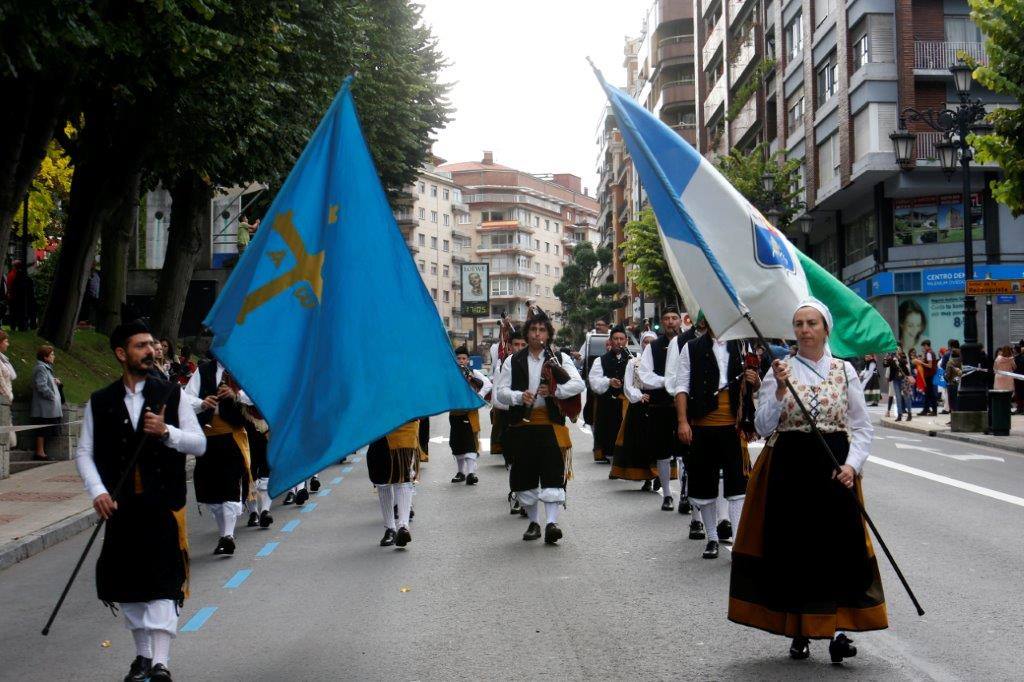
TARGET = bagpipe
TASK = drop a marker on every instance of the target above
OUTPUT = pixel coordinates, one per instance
(467, 372)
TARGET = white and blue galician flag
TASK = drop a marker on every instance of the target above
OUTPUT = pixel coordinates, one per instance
(325, 322)
(725, 257)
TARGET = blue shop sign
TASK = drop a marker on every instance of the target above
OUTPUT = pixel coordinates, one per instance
(861, 288)
(881, 284)
(1006, 298)
(952, 279)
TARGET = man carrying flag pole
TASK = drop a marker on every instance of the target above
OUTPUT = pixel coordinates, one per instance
(331, 256)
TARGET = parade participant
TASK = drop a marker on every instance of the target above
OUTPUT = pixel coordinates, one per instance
(499, 353)
(464, 438)
(392, 462)
(691, 329)
(631, 461)
(516, 343)
(796, 493)
(256, 431)
(869, 380)
(532, 383)
(605, 380)
(222, 477)
(424, 429)
(589, 403)
(715, 410)
(664, 446)
(143, 565)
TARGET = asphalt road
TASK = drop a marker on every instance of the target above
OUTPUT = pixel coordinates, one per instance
(624, 595)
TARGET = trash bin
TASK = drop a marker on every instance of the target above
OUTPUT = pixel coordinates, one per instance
(999, 412)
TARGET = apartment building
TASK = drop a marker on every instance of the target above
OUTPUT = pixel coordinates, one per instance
(435, 222)
(525, 226)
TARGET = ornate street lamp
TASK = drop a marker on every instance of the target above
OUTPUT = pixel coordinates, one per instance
(774, 216)
(806, 224)
(968, 117)
(768, 182)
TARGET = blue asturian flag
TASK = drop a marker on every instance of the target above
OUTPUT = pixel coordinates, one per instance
(325, 322)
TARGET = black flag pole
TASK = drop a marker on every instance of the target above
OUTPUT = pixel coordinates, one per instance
(99, 526)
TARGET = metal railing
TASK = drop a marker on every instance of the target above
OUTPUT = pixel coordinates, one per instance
(941, 54)
(495, 198)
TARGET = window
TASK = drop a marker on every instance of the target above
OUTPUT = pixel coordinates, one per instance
(433, 190)
(445, 271)
(860, 51)
(422, 213)
(906, 281)
(536, 221)
(860, 238)
(960, 29)
(547, 247)
(536, 268)
(795, 37)
(421, 239)
(447, 321)
(422, 188)
(433, 294)
(445, 296)
(827, 77)
(447, 194)
(822, 8)
(825, 254)
(795, 110)
(447, 220)
(547, 269)
(557, 229)
(433, 268)
(874, 40)
(556, 249)
(463, 219)
(536, 245)
(547, 225)
(423, 266)
(828, 160)
(433, 243)
(445, 244)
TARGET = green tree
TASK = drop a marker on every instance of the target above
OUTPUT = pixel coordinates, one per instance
(1001, 21)
(47, 202)
(746, 170)
(643, 250)
(584, 297)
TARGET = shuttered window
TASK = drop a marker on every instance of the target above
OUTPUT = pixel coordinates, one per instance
(881, 39)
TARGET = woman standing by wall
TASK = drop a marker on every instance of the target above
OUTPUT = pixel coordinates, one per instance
(46, 399)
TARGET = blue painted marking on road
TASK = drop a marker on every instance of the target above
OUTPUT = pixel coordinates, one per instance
(238, 578)
(267, 549)
(308, 507)
(346, 470)
(197, 621)
(336, 481)
(290, 526)
(324, 492)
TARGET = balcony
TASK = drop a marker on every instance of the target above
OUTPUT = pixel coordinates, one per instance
(674, 10)
(714, 41)
(687, 131)
(463, 230)
(510, 296)
(744, 121)
(505, 226)
(675, 47)
(498, 198)
(939, 55)
(461, 254)
(488, 249)
(512, 271)
(744, 57)
(736, 7)
(715, 99)
(460, 206)
(677, 92)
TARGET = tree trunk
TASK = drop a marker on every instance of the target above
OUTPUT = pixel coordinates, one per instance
(114, 241)
(190, 212)
(28, 118)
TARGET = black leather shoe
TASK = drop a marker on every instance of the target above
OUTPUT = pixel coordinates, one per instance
(697, 530)
(266, 519)
(899, 418)
(388, 539)
(289, 498)
(225, 545)
(412, 513)
(159, 673)
(684, 506)
(522, 513)
(668, 505)
(459, 477)
(711, 551)
(139, 670)
(725, 530)
(646, 487)
(552, 533)
(403, 537)
(513, 505)
(841, 647)
(254, 520)
(800, 649)
(471, 479)
(532, 531)
(314, 484)
(656, 486)
(301, 497)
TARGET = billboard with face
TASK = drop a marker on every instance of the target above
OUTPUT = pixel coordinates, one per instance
(475, 289)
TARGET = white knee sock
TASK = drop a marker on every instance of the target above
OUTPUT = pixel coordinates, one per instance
(403, 497)
(665, 474)
(252, 507)
(228, 521)
(735, 510)
(470, 464)
(143, 643)
(386, 495)
(709, 513)
(461, 461)
(552, 509)
(264, 500)
(532, 511)
(161, 646)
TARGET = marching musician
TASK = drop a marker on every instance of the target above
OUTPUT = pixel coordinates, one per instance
(533, 383)
(465, 424)
(393, 462)
(606, 381)
(499, 353)
(664, 446)
(517, 342)
(632, 461)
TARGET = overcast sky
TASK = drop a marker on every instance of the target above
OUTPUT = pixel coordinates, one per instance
(522, 86)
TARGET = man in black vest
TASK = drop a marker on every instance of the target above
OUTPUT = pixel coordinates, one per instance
(690, 331)
(143, 566)
(589, 404)
(664, 444)
(711, 393)
(605, 380)
(537, 440)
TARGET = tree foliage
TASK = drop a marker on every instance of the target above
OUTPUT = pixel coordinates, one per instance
(1001, 22)
(584, 297)
(746, 170)
(48, 198)
(643, 250)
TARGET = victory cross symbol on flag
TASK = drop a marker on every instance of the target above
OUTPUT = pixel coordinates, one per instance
(293, 321)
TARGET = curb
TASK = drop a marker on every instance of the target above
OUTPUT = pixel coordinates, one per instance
(949, 435)
(34, 543)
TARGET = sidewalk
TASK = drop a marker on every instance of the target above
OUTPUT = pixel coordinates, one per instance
(939, 427)
(39, 508)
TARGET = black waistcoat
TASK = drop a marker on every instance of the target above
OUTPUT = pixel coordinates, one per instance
(162, 469)
(704, 377)
(613, 364)
(659, 354)
(229, 410)
(521, 382)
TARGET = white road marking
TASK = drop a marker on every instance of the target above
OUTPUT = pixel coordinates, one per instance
(946, 480)
(912, 440)
(961, 458)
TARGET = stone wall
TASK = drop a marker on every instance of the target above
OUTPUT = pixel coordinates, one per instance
(57, 447)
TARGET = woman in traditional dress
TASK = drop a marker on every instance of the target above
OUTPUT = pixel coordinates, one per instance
(632, 460)
(869, 379)
(796, 493)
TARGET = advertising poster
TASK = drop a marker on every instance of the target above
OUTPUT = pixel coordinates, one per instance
(934, 220)
(475, 289)
(936, 317)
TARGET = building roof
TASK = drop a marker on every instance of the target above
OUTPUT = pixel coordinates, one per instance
(472, 166)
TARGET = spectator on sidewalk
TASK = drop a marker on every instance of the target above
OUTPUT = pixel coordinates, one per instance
(869, 379)
(900, 391)
(1018, 384)
(46, 399)
(1004, 363)
(954, 370)
(929, 364)
(7, 377)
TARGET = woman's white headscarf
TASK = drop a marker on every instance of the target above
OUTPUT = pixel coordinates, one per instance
(811, 302)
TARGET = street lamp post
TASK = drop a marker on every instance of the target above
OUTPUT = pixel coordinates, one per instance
(956, 125)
